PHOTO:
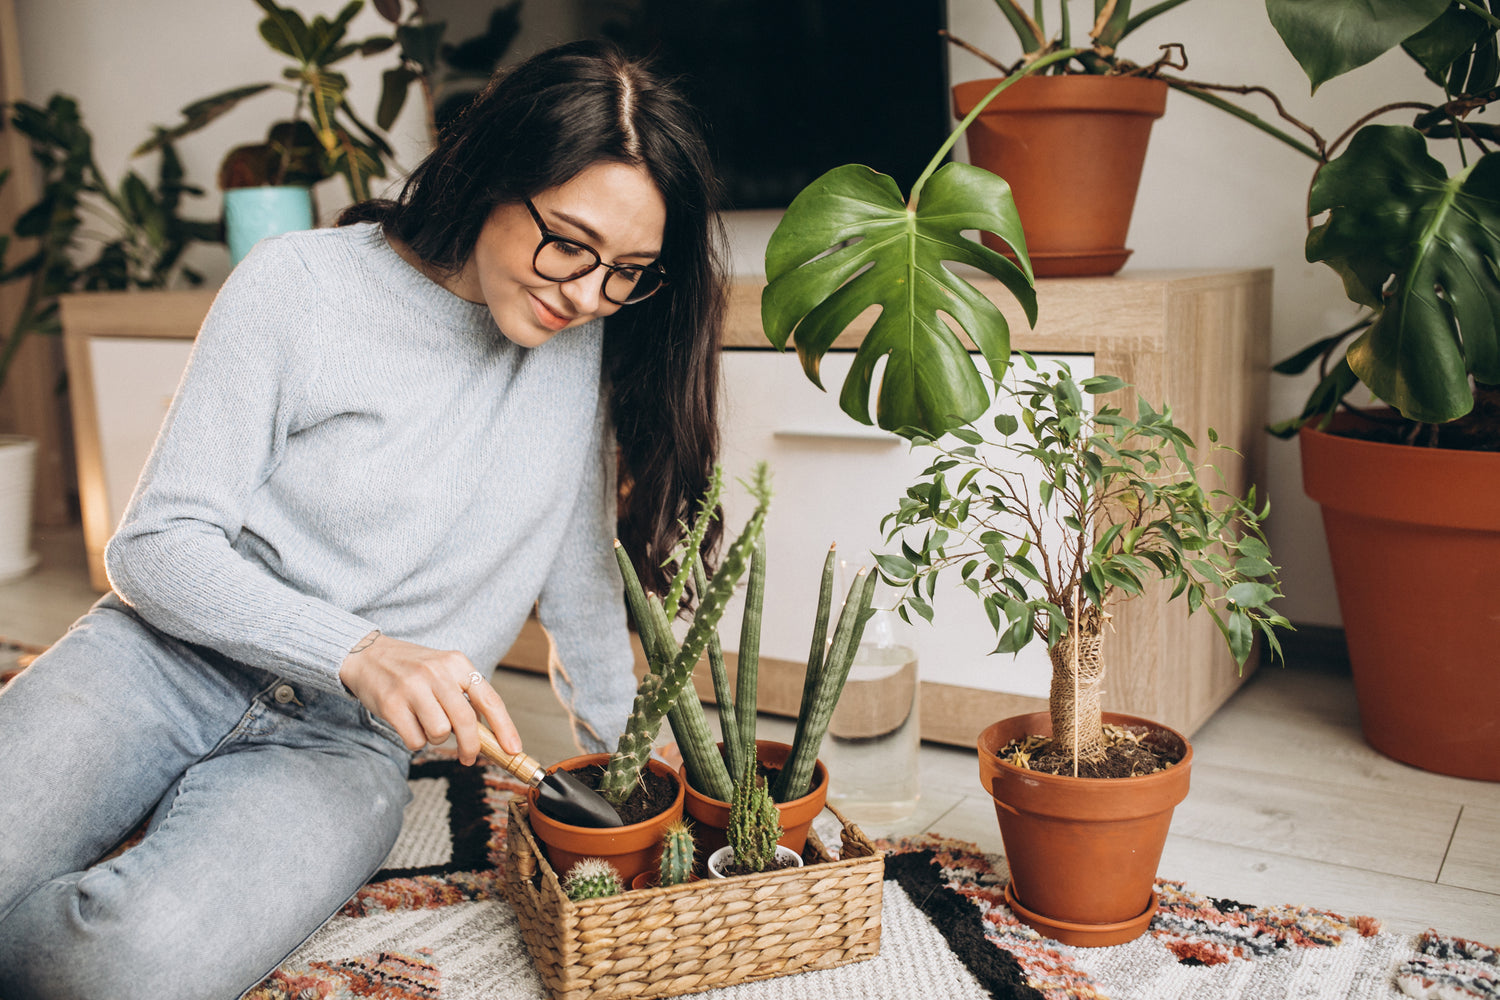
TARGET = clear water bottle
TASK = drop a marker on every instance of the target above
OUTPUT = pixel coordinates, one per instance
(875, 733)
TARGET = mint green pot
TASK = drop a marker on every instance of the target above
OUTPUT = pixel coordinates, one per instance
(253, 213)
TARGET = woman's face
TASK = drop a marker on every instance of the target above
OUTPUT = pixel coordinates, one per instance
(613, 207)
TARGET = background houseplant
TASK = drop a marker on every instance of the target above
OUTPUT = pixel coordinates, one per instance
(1408, 488)
(88, 235)
(272, 179)
(1061, 513)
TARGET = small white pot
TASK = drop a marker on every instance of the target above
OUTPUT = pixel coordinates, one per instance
(17, 485)
(725, 856)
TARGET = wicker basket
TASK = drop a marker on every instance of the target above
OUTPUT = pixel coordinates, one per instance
(702, 935)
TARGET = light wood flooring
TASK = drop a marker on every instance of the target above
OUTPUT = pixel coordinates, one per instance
(1288, 804)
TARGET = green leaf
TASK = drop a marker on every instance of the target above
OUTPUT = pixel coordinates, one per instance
(1330, 37)
(420, 43)
(1006, 424)
(1100, 384)
(285, 31)
(1437, 46)
(199, 114)
(896, 568)
(1250, 595)
(1241, 635)
(1395, 216)
(1253, 566)
(848, 243)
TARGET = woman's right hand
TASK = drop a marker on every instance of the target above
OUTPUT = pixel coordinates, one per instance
(421, 693)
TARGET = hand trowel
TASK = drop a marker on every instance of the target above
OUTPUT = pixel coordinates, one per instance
(559, 794)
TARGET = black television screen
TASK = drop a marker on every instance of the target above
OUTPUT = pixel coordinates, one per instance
(793, 88)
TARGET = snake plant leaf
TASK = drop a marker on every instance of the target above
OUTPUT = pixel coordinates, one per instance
(1428, 244)
(1329, 37)
(849, 242)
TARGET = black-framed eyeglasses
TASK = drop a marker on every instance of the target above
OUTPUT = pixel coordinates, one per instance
(558, 258)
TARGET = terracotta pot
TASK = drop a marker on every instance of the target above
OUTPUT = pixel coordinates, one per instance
(1414, 535)
(1082, 851)
(632, 849)
(1071, 148)
(711, 816)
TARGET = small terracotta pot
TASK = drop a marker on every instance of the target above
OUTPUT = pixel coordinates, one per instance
(725, 856)
(1072, 148)
(711, 816)
(652, 880)
(631, 849)
(1082, 851)
(1414, 537)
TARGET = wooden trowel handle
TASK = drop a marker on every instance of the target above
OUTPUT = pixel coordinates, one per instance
(522, 765)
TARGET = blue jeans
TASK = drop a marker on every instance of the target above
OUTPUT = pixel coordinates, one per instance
(268, 806)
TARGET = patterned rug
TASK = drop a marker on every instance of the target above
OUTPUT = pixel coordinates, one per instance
(433, 924)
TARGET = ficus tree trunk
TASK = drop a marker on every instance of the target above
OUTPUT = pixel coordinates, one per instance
(1077, 672)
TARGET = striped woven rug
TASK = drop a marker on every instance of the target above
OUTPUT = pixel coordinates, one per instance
(433, 924)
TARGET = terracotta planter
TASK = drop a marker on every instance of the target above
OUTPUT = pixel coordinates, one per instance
(1414, 535)
(1072, 148)
(631, 849)
(1082, 851)
(711, 816)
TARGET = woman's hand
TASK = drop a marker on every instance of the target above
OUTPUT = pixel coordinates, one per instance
(421, 693)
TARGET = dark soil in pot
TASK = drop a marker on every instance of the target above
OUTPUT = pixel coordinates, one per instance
(651, 797)
(1128, 753)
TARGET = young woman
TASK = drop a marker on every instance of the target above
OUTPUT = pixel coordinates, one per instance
(393, 439)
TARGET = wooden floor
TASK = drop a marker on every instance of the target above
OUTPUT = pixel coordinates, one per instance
(1288, 804)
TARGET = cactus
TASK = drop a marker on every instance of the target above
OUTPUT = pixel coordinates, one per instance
(676, 854)
(672, 665)
(754, 822)
(592, 878)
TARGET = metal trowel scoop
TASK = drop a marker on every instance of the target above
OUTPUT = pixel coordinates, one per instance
(559, 794)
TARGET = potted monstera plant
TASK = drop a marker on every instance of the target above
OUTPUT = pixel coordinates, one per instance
(1409, 485)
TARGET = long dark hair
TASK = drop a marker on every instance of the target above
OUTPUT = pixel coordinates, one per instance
(537, 126)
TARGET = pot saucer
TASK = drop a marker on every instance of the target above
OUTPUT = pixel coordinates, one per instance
(1083, 935)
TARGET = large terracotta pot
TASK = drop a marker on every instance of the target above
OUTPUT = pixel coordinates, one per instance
(1414, 535)
(711, 816)
(631, 849)
(1071, 148)
(1082, 851)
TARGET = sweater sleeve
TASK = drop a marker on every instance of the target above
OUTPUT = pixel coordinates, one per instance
(583, 606)
(173, 557)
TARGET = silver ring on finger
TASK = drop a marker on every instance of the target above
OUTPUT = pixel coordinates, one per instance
(474, 678)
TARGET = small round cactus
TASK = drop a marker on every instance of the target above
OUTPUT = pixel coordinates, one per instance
(592, 878)
(676, 854)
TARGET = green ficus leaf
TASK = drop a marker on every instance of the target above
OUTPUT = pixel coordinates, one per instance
(1330, 37)
(1397, 218)
(1250, 595)
(848, 242)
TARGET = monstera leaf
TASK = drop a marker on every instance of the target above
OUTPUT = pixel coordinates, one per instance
(849, 242)
(1424, 247)
(1329, 37)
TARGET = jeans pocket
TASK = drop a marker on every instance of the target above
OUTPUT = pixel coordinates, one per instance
(382, 728)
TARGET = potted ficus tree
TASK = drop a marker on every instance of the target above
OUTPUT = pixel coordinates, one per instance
(1054, 516)
(1408, 485)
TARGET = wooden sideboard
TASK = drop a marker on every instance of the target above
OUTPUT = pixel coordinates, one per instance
(1196, 339)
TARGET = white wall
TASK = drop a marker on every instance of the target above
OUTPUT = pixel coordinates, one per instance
(1215, 192)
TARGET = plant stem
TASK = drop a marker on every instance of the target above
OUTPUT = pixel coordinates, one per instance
(747, 676)
(1198, 90)
(1477, 8)
(728, 723)
(937, 159)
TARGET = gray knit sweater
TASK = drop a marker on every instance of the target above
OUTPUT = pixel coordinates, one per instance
(354, 447)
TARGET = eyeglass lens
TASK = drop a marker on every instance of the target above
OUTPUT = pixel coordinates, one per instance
(560, 259)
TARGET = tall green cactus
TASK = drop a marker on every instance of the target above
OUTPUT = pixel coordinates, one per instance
(754, 822)
(677, 848)
(672, 664)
